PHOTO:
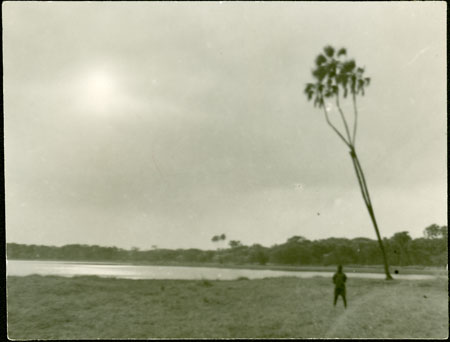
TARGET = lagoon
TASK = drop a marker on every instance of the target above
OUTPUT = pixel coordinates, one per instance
(125, 271)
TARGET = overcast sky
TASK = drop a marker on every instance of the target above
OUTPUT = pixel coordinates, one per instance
(139, 124)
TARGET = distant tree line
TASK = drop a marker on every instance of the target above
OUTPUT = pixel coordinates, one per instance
(430, 250)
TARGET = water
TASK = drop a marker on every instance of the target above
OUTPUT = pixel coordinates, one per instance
(70, 269)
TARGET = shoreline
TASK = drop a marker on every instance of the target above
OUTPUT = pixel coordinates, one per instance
(425, 270)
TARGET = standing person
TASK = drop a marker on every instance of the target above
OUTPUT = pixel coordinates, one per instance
(339, 279)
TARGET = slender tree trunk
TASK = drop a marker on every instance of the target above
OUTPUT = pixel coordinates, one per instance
(367, 201)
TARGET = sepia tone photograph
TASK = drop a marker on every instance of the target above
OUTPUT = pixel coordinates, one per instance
(225, 170)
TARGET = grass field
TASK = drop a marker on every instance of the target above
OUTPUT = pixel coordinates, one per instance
(47, 307)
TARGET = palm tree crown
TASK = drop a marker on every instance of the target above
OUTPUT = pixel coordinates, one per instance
(333, 73)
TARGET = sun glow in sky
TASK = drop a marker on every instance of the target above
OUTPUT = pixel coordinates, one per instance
(98, 91)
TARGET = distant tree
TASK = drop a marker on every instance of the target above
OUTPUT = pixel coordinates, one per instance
(367, 251)
(435, 232)
(191, 255)
(444, 232)
(259, 254)
(296, 250)
(218, 238)
(421, 251)
(336, 78)
(401, 242)
(296, 239)
(234, 243)
(402, 249)
(438, 237)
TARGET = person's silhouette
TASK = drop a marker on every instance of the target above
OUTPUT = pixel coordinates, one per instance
(339, 279)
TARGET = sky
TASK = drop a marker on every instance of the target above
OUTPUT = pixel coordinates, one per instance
(140, 124)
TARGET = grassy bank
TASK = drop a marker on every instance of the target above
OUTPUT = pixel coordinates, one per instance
(91, 307)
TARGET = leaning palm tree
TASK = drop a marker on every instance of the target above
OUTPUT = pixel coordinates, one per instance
(337, 77)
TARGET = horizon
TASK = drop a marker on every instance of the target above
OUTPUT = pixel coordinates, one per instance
(147, 133)
(155, 247)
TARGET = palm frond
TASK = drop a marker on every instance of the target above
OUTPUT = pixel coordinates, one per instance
(342, 52)
(329, 51)
(320, 60)
(320, 73)
(348, 66)
(345, 92)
